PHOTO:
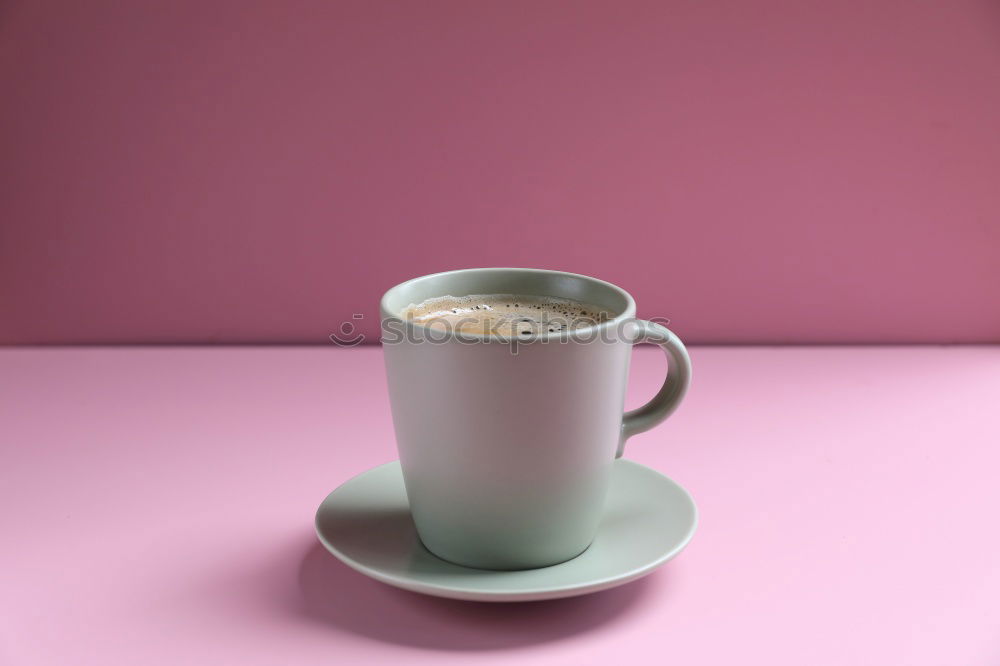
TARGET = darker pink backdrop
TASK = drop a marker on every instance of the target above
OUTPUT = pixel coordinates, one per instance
(259, 172)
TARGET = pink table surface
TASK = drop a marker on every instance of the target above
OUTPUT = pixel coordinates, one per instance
(157, 508)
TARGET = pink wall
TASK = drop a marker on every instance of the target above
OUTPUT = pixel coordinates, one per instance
(756, 171)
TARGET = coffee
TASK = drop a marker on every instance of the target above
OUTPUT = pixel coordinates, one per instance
(505, 315)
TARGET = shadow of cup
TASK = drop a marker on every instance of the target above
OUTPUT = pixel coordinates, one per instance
(334, 594)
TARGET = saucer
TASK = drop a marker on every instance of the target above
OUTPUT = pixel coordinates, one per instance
(366, 523)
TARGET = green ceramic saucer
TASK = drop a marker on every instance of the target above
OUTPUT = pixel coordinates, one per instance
(366, 523)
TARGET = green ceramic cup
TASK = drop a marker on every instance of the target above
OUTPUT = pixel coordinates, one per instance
(507, 446)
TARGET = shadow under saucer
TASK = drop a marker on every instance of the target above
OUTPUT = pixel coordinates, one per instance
(334, 594)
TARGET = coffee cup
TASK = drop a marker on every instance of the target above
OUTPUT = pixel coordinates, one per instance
(507, 439)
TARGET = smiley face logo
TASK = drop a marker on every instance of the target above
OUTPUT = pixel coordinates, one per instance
(348, 336)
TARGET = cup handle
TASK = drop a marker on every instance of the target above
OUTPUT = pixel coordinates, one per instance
(674, 387)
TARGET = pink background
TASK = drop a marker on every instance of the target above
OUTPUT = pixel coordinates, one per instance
(790, 171)
(757, 172)
(842, 522)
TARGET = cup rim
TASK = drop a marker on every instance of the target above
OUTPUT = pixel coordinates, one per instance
(625, 315)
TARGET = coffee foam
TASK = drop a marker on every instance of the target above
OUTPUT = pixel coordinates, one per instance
(508, 315)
